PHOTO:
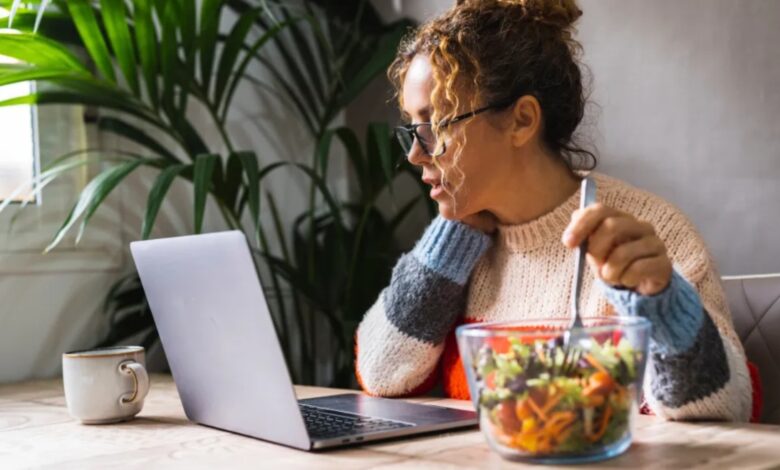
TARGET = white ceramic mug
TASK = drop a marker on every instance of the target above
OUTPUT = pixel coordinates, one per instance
(105, 385)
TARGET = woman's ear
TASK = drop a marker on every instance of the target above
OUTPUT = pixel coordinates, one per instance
(526, 120)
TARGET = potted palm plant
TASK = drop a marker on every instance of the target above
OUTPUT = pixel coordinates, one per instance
(149, 61)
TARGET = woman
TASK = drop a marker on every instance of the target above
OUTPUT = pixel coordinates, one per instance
(494, 94)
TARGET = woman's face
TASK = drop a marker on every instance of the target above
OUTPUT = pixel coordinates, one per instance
(473, 182)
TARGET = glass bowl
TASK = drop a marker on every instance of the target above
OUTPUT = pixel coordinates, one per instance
(543, 398)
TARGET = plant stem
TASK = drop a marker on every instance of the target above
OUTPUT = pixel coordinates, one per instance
(299, 323)
(284, 333)
(355, 252)
(285, 251)
(219, 123)
(221, 127)
(230, 218)
(313, 346)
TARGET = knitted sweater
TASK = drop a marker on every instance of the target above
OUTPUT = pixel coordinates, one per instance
(456, 274)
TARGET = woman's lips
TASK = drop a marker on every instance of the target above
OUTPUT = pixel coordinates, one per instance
(436, 187)
(436, 190)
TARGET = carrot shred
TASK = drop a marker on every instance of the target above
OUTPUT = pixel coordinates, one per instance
(595, 363)
(535, 408)
(604, 422)
(551, 402)
(565, 431)
(558, 421)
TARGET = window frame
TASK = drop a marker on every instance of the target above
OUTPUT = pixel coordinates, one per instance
(36, 154)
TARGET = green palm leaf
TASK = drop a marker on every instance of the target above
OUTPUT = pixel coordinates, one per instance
(210, 13)
(249, 162)
(230, 51)
(278, 227)
(355, 156)
(373, 63)
(326, 55)
(146, 42)
(303, 48)
(303, 89)
(42, 180)
(304, 107)
(57, 25)
(157, 196)
(39, 16)
(87, 25)
(14, 7)
(119, 34)
(169, 63)
(122, 128)
(202, 180)
(232, 184)
(320, 184)
(73, 97)
(57, 168)
(188, 25)
(33, 49)
(88, 91)
(91, 197)
(379, 135)
(102, 190)
(322, 152)
(193, 141)
(12, 73)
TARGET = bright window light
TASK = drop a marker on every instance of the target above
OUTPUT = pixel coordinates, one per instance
(17, 143)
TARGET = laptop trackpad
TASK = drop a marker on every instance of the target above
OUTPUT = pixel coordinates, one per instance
(392, 409)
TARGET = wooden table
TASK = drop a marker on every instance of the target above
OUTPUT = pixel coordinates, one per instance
(37, 432)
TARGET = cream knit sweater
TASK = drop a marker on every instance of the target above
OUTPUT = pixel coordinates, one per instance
(524, 271)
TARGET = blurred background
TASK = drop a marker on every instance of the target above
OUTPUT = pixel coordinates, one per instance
(151, 118)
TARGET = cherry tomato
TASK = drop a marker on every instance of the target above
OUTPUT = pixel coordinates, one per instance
(490, 380)
(505, 411)
(523, 410)
(601, 383)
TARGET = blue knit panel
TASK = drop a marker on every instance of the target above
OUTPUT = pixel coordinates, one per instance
(676, 313)
(451, 248)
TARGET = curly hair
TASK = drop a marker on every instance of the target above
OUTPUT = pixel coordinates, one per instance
(500, 50)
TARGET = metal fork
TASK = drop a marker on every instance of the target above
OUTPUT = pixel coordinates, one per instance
(575, 334)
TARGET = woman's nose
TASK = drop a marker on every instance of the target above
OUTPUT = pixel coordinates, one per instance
(417, 155)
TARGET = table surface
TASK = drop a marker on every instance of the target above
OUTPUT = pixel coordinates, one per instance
(37, 432)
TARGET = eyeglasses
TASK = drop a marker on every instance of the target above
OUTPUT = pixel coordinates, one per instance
(423, 131)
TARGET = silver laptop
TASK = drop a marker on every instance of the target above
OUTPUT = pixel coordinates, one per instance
(219, 338)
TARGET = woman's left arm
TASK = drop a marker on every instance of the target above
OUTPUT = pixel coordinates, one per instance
(695, 369)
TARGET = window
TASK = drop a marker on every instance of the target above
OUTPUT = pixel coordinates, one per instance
(18, 155)
(31, 137)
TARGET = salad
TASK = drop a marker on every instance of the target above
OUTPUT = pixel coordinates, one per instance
(537, 400)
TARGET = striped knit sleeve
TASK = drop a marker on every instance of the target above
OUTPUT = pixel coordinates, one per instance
(401, 337)
(694, 372)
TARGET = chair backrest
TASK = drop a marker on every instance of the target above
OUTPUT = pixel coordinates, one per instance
(755, 307)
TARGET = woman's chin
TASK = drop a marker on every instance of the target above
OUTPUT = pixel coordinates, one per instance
(446, 210)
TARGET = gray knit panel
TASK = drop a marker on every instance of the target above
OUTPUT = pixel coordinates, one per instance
(694, 374)
(422, 303)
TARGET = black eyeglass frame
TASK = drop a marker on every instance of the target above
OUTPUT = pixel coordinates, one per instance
(411, 129)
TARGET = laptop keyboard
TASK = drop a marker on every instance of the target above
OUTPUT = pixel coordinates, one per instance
(322, 423)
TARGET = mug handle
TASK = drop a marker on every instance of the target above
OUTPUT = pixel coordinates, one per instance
(140, 382)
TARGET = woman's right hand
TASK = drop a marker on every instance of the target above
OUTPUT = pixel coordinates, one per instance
(484, 221)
